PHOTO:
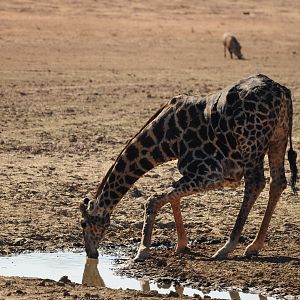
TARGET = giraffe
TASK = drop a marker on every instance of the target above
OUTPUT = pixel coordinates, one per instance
(217, 140)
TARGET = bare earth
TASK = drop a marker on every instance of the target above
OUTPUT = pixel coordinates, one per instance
(79, 78)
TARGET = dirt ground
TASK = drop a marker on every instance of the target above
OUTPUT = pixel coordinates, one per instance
(79, 78)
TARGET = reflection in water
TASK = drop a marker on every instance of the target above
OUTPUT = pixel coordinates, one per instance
(98, 273)
(234, 295)
(91, 275)
(145, 285)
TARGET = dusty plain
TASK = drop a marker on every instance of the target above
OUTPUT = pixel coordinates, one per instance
(79, 78)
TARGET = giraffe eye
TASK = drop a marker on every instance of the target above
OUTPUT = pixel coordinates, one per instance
(91, 205)
(83, 224)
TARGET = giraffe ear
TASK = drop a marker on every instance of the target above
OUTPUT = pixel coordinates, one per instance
(83, 208)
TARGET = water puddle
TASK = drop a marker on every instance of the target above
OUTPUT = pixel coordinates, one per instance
(78, 269)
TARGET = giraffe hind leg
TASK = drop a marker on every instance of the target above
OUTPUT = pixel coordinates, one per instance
(277, 185)
(184, 187)
(254, 184)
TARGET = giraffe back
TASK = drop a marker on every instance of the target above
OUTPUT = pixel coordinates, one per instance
(230, 128)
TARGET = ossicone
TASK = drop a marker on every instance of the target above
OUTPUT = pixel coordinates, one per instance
(83, 207)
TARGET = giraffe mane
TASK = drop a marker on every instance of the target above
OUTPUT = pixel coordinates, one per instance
(101, 185)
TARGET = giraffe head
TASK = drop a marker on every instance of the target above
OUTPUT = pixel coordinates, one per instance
(94, 224)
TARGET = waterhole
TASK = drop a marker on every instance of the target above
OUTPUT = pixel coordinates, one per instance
(54, 265)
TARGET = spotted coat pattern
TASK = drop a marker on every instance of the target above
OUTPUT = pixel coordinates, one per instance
(217, 141)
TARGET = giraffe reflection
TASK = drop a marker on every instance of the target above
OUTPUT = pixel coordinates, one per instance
(178, 288)
(235, 295)
(91, 275)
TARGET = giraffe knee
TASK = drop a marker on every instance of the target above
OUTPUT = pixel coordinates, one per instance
(260, 184)
(152, 205)
(149, 207)
(283, 184)
(279, 185)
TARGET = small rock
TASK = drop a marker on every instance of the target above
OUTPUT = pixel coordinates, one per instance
(78, 244)
(199, 240)
(65, 279)
(173, 294)
(259, 274)
(214, 241)
(66, 293)
(152, 293)
(294, 262)
(167, 225)
(59, 283)
(42, 283)
(40, 237)
(135, 240)
(72, 138)
(136, 193)
(161, 263)
(138, 225)
(19, 242)
(99, 139)
(19, 292)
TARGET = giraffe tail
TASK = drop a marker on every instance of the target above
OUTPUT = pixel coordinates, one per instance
(292, 157)
(292, 154)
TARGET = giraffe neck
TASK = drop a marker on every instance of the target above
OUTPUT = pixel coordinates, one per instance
(152, 146)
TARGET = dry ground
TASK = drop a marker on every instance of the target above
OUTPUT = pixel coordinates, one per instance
(78, 79)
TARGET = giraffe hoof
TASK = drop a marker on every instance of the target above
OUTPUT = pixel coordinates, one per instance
(251, 254)
(220, 254)
(142, 255)
(251, 251)
(179, 250)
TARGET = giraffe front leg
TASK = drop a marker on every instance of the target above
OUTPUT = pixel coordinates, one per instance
(152, 207)
(181, 233)
(144, 248)
(183, 187)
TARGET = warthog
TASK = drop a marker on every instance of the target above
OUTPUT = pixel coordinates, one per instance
(233, 46)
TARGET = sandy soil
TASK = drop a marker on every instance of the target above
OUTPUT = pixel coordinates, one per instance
(79, 78)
